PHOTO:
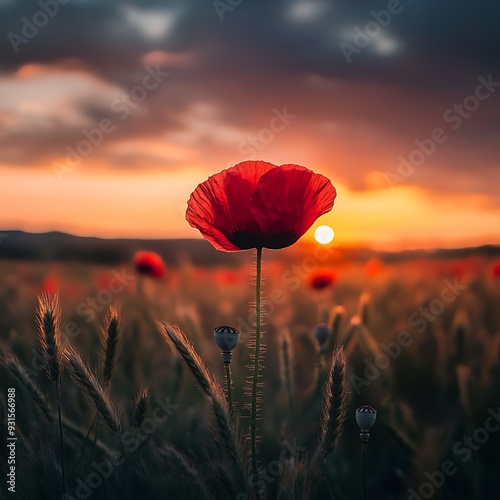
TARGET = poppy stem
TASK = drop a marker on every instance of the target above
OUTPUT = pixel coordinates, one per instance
(363, 471)
(256, 367)
(61, 439)
(229, 392)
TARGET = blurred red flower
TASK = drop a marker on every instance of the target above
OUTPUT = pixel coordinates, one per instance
(495, 271)
(256, 204)
(322, 279)
(50, 285)
(226, 276)
(149, 264)
(103, 278)
(459, 270)
(374, 267)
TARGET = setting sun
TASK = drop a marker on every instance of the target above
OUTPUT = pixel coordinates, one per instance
(324, 234)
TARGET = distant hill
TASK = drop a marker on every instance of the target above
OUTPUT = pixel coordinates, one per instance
(56, 246)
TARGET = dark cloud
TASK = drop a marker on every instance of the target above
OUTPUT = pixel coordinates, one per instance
(267, 55)
(266, 37)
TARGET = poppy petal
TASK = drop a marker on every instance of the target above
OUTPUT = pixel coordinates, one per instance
(287, 202)
(240, 183)
(207, 212)
(218, 207)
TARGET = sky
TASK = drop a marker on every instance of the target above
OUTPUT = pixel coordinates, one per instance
(112, 112)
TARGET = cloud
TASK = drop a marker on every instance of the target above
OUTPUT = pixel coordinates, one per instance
(353, 119)
(150, 24)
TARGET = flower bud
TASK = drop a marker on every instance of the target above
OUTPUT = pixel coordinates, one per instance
(322, 333)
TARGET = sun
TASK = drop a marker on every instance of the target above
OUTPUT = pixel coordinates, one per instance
(324, 234)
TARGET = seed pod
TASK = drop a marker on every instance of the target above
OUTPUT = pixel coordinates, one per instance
(365, 417)
(227, 338)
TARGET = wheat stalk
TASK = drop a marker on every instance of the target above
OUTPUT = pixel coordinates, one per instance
(212, 390)
(140, 408)
(49, 322)
(335, 404)
(92, 390)
(287, 362)
(15, 367)
(176, 460)
(110, 341)
(48, 316)
(334, 321)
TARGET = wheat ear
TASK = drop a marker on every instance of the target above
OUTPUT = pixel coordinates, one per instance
(92, 390)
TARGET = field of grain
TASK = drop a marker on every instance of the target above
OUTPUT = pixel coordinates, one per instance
(421, 340)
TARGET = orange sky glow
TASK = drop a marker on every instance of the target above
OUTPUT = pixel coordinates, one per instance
(172, 95)
(153, 206)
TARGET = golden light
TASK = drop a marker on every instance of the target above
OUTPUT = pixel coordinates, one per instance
(324, 234)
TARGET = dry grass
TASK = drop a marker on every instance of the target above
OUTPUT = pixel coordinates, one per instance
(437, 390)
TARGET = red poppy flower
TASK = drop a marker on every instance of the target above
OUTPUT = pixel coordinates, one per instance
(322, 279)
(149, 264)
(256, 204)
